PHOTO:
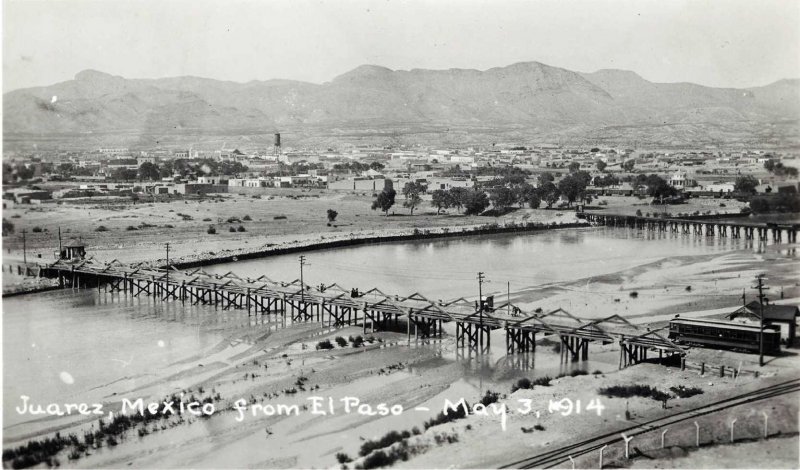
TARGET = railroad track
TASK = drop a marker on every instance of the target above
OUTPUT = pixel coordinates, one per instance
(554, 457)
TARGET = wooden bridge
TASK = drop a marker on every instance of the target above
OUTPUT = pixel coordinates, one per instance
(706, 227)
(336, 306)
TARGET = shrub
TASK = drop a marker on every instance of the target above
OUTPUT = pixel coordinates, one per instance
(231, 229)
(388, 439)
(207, 219)
(376, 460)
(576, 373)
(36, 229)
(247, 217)
(131, 228)
(489, 397)
(636, 390)
(211, 230)
(543, 381)
(233, 220)
(341, 341)
(538, 427)
(522, 384)
(279, 217)
(325, 344)
(442, 418)
(358, 341)
(101, 228)
(688, 288)
(638, 212)
(341, 457)
(241, 229)
(686, 392)
(634, 294)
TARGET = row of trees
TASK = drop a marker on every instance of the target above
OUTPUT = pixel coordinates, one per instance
(778, 169)
(513, 189)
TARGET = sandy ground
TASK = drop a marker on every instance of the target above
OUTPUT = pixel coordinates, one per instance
(559, 430)
(772, 453)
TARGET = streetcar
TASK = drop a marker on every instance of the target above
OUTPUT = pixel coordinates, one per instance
(723, 335)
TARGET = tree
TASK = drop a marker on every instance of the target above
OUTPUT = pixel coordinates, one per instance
(458, 197)
(332, 215)
(548, 193)
(502, 197)
(475, 202)
(572, 187)
(594, 150)
(165, 170)
(148, 171)
(523, 193)
(745, 184)
(66, 169)
(377, 166)
(385, 199)
(123, 174)
(601, 165)
(8, 227)
(628, 165)
(533, 201)
(412, 192)
(574, 166)
(769, 165)
(606, 180)
(546, 178)
(656, 186)
(441, 199)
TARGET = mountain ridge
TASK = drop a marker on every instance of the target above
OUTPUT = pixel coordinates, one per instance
(524, 97)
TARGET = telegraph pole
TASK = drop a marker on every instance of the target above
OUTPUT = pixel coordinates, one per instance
(302, 284)
(480, 296)
(167, 265)
(24, 249)
(760, 278)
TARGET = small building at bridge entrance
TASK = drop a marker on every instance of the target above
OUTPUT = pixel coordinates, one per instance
(783, 316)
(74, 250)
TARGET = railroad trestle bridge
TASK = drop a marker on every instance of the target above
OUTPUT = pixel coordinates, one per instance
(335, 306)
(705, 227)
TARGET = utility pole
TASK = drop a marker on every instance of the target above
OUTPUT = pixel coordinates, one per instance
(59, 242)
(24, 249)
(167, 265)
(480, 297)
(508, 300)
(760, 278)
(302, 284)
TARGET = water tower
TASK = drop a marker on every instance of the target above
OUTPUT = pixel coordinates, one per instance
(277, 147)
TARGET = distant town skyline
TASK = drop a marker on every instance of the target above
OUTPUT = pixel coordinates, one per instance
(730, 43)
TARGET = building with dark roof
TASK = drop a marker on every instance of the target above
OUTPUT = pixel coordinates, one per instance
(784, 316)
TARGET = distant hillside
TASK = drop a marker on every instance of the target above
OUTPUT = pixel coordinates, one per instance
(525, 100)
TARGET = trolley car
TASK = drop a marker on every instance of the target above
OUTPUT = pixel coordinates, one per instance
(719, 334)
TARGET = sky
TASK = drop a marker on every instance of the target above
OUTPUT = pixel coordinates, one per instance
(723, 43)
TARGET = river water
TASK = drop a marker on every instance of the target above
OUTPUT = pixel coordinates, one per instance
(77, 346)
(447, 268)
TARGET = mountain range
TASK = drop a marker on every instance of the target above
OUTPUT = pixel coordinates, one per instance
(526, 101)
